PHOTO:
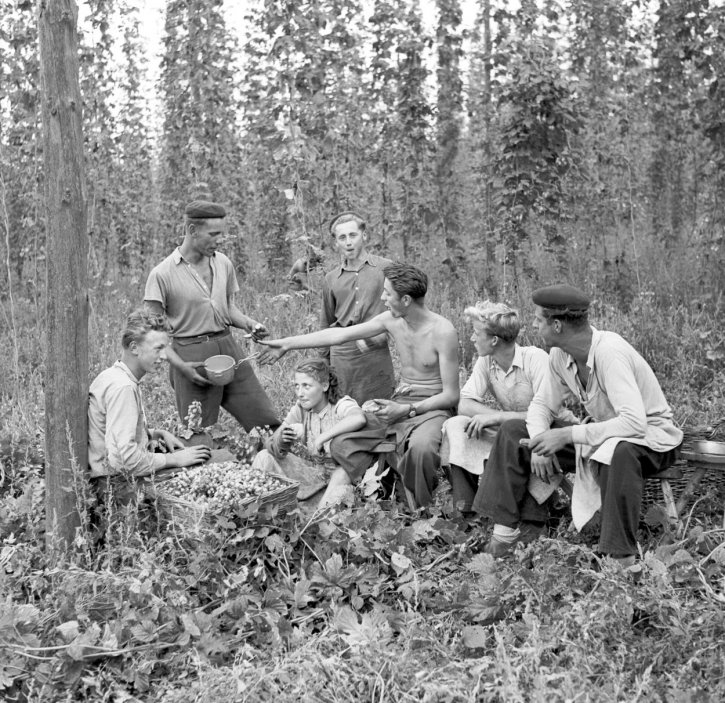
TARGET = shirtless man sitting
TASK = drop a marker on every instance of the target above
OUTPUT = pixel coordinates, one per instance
(428, 391)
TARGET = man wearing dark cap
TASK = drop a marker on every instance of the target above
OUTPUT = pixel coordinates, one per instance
(628, 433)
(195, 287)
(351, 295)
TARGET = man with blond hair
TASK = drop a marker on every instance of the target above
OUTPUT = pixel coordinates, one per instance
(505, 373)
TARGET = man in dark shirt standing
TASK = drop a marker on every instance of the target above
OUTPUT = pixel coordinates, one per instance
(351, 295)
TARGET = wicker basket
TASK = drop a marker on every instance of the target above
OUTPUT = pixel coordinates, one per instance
(195, 518)
(712, 483)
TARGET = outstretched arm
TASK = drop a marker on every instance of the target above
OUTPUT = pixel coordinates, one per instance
(277, 348)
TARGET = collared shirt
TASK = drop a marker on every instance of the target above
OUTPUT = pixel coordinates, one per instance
(513, 389)
(622, 396)
(193, 309)
(352, 296)
(117, 433)
(314, 424)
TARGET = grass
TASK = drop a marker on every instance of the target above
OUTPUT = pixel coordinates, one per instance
(371, 603)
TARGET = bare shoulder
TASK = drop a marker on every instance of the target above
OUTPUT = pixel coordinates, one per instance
(443, 326)
(387, 320)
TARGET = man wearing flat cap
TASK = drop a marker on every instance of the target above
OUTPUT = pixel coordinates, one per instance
(195, 288)
(627, 436)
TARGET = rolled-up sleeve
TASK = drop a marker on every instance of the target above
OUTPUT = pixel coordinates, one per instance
(476, 387)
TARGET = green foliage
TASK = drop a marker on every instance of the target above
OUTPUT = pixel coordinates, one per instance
(594, 136)
(370, 600)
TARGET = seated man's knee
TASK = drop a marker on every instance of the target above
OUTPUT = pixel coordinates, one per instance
(625, 455)
(510, 427)
(457, 422)
(424, 445)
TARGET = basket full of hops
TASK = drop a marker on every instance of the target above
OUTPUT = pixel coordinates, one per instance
(217, 493)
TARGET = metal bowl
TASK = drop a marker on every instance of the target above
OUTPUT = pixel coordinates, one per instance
(704, 447)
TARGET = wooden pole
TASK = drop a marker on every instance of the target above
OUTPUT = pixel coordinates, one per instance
(66, 380)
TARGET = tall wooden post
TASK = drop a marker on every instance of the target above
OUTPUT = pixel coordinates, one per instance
(66, 380)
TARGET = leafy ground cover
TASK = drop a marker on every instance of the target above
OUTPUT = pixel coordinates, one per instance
(368, 602)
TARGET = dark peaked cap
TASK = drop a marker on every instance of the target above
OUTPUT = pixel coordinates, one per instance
(204, 210)
(562, 299)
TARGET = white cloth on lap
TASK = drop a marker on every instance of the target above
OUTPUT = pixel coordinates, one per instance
(471, 453)
(467, 452)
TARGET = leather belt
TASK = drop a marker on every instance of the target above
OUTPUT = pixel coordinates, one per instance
(185, 341)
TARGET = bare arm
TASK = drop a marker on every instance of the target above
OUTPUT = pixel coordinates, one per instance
(246, 323)
(276, 348)
(354, 420)
(482, 416)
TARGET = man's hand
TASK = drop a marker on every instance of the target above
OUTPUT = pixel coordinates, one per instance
(189, 369)
(257, 331)
(551, 441)
(542, 466)
(171, 442)
(389, 411)
(189, 456)
(319, 444)
(274, 351)
(478, 423)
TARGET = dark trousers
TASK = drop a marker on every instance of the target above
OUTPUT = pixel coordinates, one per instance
(243, 397)
(464, 486)
(503, 494)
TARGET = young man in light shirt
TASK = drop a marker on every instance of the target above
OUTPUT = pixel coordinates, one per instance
(119, 441)
(195, 287)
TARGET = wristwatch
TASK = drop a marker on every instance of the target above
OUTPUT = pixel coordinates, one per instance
(413, 412)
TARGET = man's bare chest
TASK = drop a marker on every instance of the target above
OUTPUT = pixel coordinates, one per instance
(418, 349)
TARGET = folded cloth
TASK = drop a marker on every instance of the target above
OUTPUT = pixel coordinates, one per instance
(586, 498)
(467, 452)
(471, 453)
(541, 490)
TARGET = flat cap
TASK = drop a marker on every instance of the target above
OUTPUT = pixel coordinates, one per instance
(204, 210)
(562, 298)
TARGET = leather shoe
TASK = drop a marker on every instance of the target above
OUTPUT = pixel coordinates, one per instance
(498, 548)
(531, 531)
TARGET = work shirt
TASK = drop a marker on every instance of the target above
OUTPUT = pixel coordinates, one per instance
(311, 425)
(514, 388)
(193, 309)
(622, 397)
(352, 296)
(117, 433)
